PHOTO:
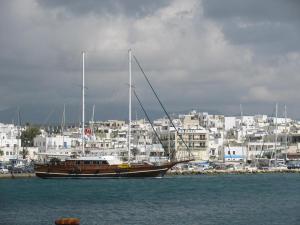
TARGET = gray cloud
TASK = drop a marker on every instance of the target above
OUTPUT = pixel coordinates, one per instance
(270, 27)
(131, 8)
(208, 55)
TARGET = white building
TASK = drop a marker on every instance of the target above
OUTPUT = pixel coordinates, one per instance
(235, 153)
(258, 149)
(215, 144)
(54, 142)
(10, 143)
(230, 122)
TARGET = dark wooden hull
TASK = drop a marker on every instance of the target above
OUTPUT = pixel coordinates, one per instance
(107, 171)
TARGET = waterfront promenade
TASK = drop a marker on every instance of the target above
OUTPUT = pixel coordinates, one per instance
(182, 172)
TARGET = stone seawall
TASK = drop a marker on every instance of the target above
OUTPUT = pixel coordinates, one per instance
(216, 172)
(16, 175)
(178, 172)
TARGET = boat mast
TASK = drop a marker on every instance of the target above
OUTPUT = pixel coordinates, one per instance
(82, 132)
(285, 115)
(169, 142)
(242, 133)
(63, 121)
(129, 113)
(93, 115)
(276, 136)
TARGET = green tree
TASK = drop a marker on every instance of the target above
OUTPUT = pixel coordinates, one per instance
(28, 135)
(24, 153)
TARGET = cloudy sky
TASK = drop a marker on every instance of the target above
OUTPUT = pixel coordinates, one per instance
(209, 55)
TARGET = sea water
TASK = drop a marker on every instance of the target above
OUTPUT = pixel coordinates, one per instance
(200, 199)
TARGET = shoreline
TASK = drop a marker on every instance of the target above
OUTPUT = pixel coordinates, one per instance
(221, 172)
(17, 175)
(177, 173)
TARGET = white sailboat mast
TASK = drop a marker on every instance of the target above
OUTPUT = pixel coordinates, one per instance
(276, 135)
(93, 116)
(129, 113)
(242, 134)
(82, 132)
(63, 125)
(286, 134)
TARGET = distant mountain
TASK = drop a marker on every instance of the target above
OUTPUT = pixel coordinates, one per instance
(48, 115)
(51, 115)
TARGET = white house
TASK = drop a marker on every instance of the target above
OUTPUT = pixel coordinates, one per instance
(235, 153)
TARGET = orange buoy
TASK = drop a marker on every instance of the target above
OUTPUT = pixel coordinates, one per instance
(67, 221)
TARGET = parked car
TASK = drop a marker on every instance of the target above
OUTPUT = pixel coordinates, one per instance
(17, 170)
(3, 170)
(21, 169)
(293, 165)
(29, 169)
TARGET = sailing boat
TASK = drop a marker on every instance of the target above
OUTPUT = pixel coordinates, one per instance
(103, 166)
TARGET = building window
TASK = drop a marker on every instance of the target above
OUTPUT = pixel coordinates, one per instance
(228, 152)
(233, 153)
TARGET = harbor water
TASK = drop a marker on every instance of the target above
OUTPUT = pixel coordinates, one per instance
(199, 199)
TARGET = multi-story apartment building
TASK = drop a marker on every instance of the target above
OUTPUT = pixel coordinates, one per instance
(10, 142)
(196, 140)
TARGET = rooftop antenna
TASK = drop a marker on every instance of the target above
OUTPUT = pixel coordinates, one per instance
(241, 110)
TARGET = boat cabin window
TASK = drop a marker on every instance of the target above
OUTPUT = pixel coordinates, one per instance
(104, 162)
(96, 162)
(78, 162)
(87, 162)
